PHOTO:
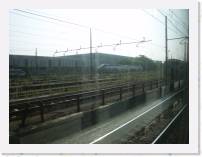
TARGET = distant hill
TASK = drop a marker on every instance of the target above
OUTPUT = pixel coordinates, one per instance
(76, 63)
(98, 58)
(33, 65)
(65, 61)
(145, 62)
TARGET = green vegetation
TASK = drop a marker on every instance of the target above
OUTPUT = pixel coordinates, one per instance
(147, 63)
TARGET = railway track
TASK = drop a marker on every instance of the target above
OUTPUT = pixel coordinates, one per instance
(147, 127)
(163, 137)
(41, 106)
(64, 78)
(51, 79)
(24, 90)
(54, 84)
(50, 88)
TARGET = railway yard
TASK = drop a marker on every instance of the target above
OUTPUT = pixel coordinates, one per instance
(38, 102)
(118, 99)
(24, 88)
(78, 93)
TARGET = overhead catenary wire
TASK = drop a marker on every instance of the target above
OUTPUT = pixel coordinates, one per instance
(176, 20)
(183, 23)
(106, 45)
(34, 28)
(56, 34)
(59, 20)
(51, 18)
(171, 22)
(69, 22)
(95, 28)
(43, 20)
(178, 38)
(152, 43)
(33, 18)
(35, 44)
(75, 24)
(42, 36)
(148, 13)
(100, 46)
(12, 25)
(37, 35)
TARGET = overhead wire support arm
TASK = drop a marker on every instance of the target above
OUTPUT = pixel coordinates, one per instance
(107, 45)
(178, 38)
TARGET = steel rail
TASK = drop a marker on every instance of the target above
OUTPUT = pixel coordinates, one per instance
(38, 105)
(128, 122)
(169, 125)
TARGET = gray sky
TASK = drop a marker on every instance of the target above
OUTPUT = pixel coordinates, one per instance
(28, 32)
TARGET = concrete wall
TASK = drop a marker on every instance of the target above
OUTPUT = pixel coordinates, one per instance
(153, 94)
(65, 126)
(136, 125)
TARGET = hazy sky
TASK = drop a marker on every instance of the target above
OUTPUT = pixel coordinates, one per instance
(28, 32)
